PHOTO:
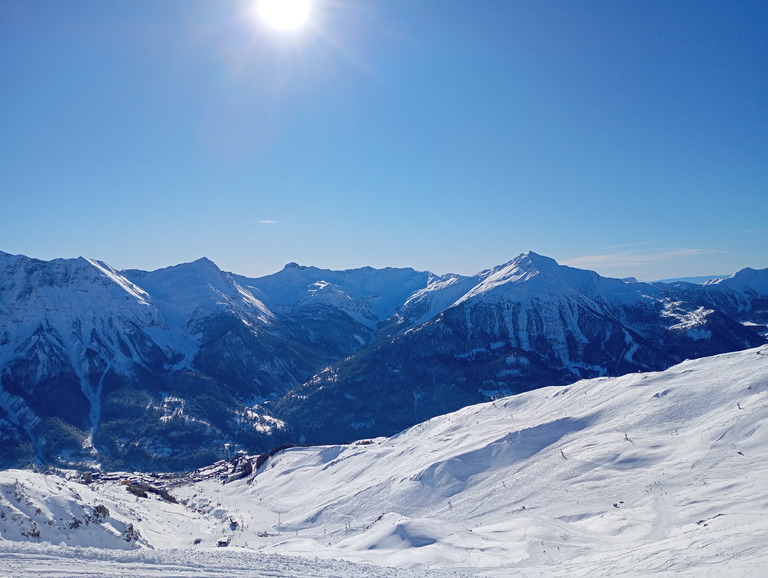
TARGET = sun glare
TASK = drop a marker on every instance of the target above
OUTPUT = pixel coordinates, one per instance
(284, 14)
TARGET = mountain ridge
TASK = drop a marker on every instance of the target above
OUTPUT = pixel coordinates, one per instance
(181, 364)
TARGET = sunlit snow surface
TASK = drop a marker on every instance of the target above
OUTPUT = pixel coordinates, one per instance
(659, 473)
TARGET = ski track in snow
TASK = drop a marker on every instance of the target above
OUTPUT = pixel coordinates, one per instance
(61, 561)
(645, 474)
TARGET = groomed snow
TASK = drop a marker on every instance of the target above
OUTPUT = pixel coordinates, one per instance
(646, 474)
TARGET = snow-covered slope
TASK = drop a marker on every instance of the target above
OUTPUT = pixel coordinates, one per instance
(195, 291)
(335, 313)
(646, 474)
(368, 295)
(641, 473)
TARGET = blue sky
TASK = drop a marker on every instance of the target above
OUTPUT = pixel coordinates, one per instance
(626, 137)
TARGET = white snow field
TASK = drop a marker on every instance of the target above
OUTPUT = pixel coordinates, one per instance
(646, 474)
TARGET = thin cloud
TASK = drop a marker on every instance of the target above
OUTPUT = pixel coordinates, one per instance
(266, 222)
(634, 259)
(628, 245)
(752, 231)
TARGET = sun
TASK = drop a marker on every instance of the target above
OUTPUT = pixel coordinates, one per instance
(284, 14)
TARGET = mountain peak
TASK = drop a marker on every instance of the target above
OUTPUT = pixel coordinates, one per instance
(199, 267)
(534, 272)
(748, 279)
(524, 267)
(205, 262)
(534, 261)
(294, 265)
(529, 255)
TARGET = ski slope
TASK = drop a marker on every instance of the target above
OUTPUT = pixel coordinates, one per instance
(646, 474)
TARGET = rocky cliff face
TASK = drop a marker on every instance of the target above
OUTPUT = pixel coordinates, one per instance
(172, 368)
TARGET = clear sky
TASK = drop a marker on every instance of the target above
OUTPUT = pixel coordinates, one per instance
(626, 137)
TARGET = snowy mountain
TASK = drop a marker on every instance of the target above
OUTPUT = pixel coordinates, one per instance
(91, 360)
(526, 324)
(660, 473)
(178, 367)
